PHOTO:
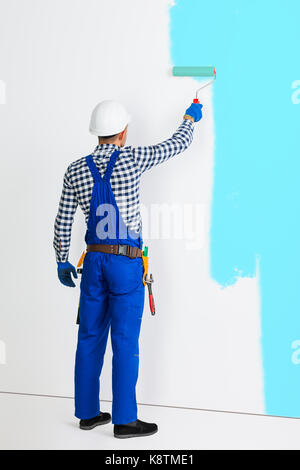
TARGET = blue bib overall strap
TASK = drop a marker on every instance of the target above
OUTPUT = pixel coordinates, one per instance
(93, 169)
(103, 206)
(111, 298)
(111, 164)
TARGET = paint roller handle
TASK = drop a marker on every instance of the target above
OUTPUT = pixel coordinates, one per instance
(195, 111)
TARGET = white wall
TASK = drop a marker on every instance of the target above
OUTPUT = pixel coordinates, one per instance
(58, 59)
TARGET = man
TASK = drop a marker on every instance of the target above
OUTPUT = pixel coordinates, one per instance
(106, 187)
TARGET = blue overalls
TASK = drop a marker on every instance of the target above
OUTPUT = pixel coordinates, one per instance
(111, 297)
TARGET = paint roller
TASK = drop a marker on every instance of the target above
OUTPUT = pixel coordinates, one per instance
(203, 72)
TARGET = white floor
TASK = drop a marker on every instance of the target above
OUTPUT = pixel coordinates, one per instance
(31, 422)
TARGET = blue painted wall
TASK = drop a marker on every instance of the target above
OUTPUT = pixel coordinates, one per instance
(255, 46)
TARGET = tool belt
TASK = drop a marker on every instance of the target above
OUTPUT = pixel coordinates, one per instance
(125, 250)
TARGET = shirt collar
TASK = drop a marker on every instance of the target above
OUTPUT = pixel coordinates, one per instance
(105, 147)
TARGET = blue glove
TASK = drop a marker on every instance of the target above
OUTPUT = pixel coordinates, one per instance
(195, 111)
(64, 271)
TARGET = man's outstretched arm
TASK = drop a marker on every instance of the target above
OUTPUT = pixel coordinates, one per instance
(150, 156)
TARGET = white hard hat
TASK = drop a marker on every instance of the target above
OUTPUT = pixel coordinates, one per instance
(108, 118)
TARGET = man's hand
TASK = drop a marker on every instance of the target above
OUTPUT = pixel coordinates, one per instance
(195, 111)
(64, 271)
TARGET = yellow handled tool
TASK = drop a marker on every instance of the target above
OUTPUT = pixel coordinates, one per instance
(80, 262)
(146, 264)
(148, 280)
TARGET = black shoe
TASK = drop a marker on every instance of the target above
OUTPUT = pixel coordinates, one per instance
(88, 424)
(135, 429)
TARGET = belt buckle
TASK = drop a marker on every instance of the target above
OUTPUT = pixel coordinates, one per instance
(123, 250)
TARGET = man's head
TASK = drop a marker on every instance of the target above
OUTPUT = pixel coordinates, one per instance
(109, 122)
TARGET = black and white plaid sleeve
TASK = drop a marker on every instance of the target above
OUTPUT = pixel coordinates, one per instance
(148, 157)
(64, 220)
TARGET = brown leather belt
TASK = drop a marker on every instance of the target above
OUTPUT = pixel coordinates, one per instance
(125, 250)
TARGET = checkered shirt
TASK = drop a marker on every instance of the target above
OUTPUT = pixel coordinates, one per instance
(125, 181)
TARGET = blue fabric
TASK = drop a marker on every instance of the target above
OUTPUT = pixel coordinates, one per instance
(64, 271)
(195, 111)
(106, 224)
(112, 298)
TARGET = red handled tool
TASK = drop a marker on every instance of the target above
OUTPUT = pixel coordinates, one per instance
(149, 281)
